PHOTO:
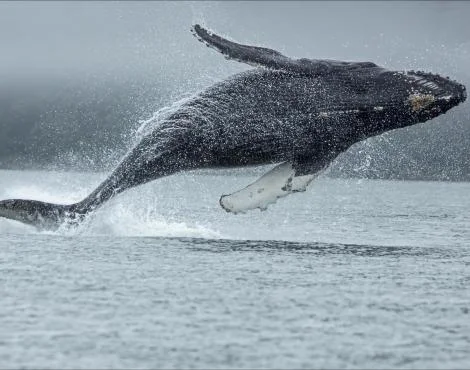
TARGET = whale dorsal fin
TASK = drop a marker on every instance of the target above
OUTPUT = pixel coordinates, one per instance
(272, 59)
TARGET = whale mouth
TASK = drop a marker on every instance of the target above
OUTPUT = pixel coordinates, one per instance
(441, 88)
(431, 95)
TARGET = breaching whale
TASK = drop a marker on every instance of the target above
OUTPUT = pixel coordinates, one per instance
(299, 114)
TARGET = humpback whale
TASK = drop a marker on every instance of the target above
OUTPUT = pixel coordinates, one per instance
(296, 114)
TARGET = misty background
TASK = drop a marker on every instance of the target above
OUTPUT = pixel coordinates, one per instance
(76, 77)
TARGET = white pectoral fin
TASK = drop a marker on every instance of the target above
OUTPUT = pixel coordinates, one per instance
(267, 189)
(275, 184)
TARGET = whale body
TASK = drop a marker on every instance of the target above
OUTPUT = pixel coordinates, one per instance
(299, 114)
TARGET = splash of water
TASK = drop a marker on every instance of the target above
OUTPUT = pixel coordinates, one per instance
(124, 220)
(121, 217)
(149, 125)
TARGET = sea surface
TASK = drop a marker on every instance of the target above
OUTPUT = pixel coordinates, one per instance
(350, 274)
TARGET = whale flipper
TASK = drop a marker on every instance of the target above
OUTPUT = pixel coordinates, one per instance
(282, 180)
(264, 191)
(264, 57)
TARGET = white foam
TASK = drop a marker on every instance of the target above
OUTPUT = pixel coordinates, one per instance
(126, 220)
(15, 227)
(42, 193)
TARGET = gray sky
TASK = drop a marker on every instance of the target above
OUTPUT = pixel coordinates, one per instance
(143, 37)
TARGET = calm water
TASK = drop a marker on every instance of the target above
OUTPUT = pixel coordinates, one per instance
(352, 273)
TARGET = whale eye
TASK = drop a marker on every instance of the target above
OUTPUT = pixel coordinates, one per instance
(420, 101)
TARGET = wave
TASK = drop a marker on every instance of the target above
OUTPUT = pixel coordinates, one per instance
(318, 248)
(333, 211)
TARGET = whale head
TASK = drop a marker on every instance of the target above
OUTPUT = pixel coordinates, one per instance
(430, 95)
(387, 100)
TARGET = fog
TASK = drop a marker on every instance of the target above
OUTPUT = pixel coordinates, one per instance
(78, 76)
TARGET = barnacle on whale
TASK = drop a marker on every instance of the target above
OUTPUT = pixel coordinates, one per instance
(420, 101)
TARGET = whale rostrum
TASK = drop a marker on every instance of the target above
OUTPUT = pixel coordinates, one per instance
(296, 114)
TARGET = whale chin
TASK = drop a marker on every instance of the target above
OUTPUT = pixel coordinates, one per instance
(446, 92)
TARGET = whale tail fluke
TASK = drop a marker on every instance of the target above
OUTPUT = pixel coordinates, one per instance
(42, 215)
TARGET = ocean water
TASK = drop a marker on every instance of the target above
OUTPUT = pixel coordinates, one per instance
(350, 274)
